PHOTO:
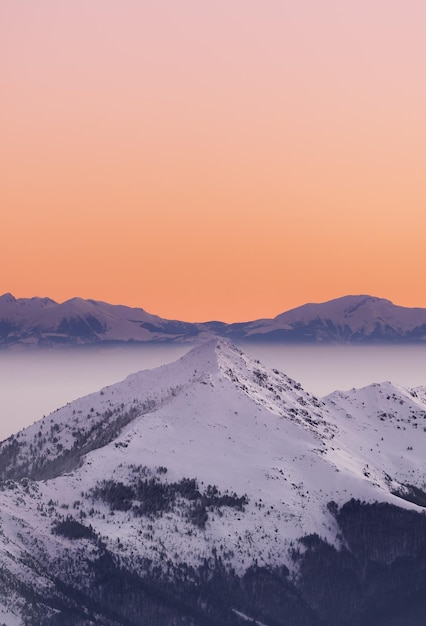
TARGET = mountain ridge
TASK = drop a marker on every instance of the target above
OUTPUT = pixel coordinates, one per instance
(42, 322)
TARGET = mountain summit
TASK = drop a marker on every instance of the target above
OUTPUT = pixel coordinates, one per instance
(212, 491)
(350, 319)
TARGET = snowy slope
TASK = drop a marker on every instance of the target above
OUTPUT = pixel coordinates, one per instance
(385, 425)
(264, 456)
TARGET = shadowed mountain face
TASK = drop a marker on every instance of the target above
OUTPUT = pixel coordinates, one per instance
(351, 319)
(214, 490)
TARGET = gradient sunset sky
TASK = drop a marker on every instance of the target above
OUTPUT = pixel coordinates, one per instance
(223, 159)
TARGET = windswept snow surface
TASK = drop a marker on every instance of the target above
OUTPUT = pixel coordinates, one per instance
(8, 617)
(225, 420)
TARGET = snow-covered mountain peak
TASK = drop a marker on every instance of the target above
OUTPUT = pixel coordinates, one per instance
(216, 394)
(358, 312)
(380, 395)
(217, 361)
(354, 319)
(213, 461)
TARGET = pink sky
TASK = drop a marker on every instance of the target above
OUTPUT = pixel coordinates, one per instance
(213, 160)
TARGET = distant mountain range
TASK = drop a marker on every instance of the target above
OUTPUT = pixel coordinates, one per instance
(215, 491)
(350, 319)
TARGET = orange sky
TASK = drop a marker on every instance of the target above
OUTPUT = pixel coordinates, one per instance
(213, 160)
